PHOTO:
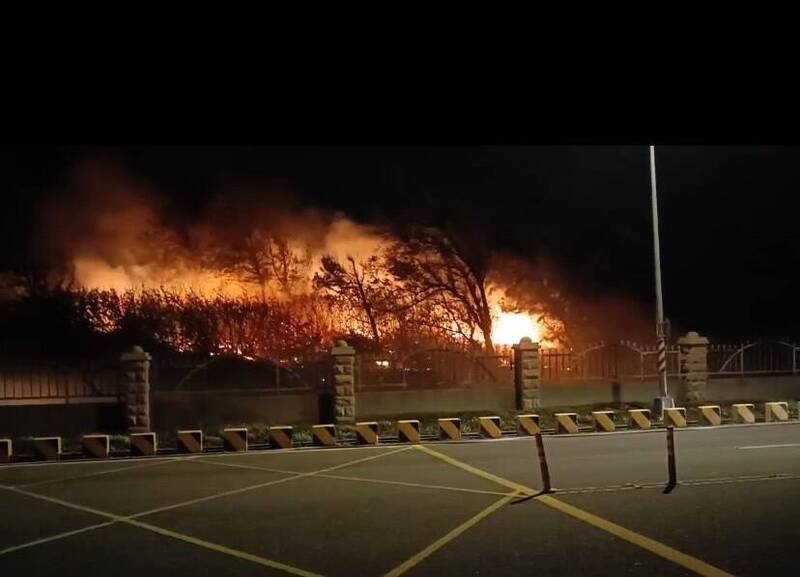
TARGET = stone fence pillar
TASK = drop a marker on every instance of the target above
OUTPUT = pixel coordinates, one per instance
(136, 374)
(693, 361)
(344, 385)
(527, 375)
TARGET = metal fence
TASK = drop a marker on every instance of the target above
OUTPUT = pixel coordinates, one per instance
(754, 358)
(49, 383)
(631, 360)
(434, 368)
(190, 373)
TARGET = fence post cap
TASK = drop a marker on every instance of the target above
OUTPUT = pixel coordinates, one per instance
(526, 343)
(342, 348)
(136, 353)
(692, 338)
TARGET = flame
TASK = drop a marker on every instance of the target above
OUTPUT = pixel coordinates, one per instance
(509, 328)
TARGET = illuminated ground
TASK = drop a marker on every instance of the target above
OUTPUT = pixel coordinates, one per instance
(441, 509)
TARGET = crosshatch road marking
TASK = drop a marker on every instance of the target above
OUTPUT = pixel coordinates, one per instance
(131, 519)
(442, 541)
(356, 479)
(660, 549)
(55, 537)
(96, 473)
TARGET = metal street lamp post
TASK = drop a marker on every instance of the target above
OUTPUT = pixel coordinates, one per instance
(663, 400)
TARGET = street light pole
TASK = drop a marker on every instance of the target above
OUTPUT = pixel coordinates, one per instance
(663, 400)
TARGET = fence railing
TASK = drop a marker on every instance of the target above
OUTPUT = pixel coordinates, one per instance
(434, 368)
(630, 360)
(51, 383)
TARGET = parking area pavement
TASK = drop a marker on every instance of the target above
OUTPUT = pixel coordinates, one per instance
(454, 508)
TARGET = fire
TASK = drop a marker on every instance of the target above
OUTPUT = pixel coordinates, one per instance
(509, 328)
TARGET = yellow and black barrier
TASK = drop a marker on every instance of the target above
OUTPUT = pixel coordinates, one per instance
(566, 423)
(450, 428)
(710, 415)
(280, 437)
(639, 419)
(408, 431)
(235, 439)
(324, 435)
(490, 427)
(96, 446)
(743, 413)
(675, 416)
(47, 447)
(528, 425)
(367, 433)
(604, 421)
(143, 444)
(190, 441)
(6, 451)
(776, 411)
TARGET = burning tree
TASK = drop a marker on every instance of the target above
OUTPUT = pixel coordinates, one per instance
(446, 269)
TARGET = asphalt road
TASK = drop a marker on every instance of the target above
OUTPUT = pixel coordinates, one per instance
(442, 508)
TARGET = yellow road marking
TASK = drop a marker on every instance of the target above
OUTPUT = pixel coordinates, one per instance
(96, 473)
(131, 519)
(479, 472)
(356, 479)
(442, 541)
(262, 485)
(55, 537)
(161, 531)
(665, 551)
(660, 549)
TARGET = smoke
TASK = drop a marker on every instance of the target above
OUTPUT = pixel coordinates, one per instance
(112, 230)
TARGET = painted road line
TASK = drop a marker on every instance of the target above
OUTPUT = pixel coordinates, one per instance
(143, 444)
(266, 484)
(367, 433)
(442, 541)
(190, 441)
(96, 446)
(781, 446)
(639, 419)
(6, 450)
(660, 549)
(528, 425)
(355, 479)
(776, 411)
(48, 448)
(675, 416)
(234, 439)
(131, 519)
(280, 437)
(99, 473)
(522, 489)
(743, 413)
(490, 427)
(166, 533)
(408, 431)
(55, 537)
(656, 547)
(710, 415)
(604, 421)
(450, 429)
(324, 435)
(566, 423)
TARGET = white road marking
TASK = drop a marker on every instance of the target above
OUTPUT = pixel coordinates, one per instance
(771, 446)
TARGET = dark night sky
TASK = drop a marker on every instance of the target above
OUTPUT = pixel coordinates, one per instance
(730, 244)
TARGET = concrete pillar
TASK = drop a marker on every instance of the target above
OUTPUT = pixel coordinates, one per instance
(344, 385)
(136, 374)
(527, 375)
(693, 361)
